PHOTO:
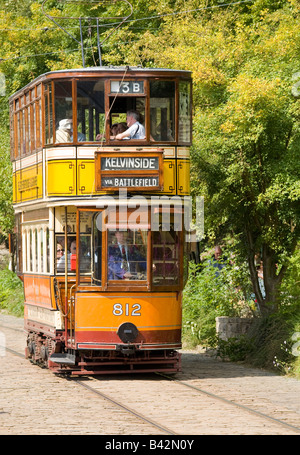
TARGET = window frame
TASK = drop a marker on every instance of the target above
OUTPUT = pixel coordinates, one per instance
(75, 106)
(125, 285)
(180, 259)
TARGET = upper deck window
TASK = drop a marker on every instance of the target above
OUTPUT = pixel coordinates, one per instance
(90, 110)
(48, 113)
(73, 109)
(63, 111)
(184, 126)
(127, 107)
(162, 111)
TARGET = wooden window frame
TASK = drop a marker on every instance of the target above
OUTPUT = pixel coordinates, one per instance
(181, 233)
(127, 285)
(176, 110)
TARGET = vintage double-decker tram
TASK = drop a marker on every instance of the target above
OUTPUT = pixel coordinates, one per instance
(100, 242)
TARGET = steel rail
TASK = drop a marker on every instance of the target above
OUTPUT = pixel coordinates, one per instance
(233, 403)
(126, 408)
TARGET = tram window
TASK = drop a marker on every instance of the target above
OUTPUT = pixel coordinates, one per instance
(48, 114)
(90, 249)
(61, 253)
(33, 123)
(23, 132)
(90, 110)
(40, 251)
(40, 123)
(30, 252)
(28, 130)
(127, 255)
(18, 230)
(35, 250)
(165, 258)
(97, 248)
(119, 108)
(184, 127)
(19, 135)
(47, 251)
(162, 110)
(85, 259)
(34, 246)
(60, 250)
(63, 111)
(12, 136)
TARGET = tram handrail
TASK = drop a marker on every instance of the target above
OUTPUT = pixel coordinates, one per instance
(70, 308)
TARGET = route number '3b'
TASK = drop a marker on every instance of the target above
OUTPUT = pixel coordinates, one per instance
(126, 309)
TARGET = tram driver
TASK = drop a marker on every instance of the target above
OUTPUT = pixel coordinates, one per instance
(126, 260)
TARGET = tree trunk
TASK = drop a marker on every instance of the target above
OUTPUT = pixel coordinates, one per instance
(269, 303)
(272, 277)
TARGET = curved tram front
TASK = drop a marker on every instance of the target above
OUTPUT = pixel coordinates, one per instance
(100, 173)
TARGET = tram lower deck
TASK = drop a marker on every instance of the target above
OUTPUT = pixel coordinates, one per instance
(115, 288)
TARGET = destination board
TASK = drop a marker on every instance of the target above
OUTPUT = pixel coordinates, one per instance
(130, 182)
(129, 163)
(139, 171)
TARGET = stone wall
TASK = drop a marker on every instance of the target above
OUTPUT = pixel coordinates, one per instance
(227, 327)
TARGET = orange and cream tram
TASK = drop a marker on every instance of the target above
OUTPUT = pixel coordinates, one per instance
(100, 162)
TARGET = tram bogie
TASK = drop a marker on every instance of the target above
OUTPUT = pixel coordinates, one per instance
(100, 222)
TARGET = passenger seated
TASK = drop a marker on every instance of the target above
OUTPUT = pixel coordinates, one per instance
(135, 129)
(118, 128)
(80, 137)
(115, 129)
(61, 262)
(64, 131)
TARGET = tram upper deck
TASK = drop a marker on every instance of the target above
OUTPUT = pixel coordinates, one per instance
(63, 144)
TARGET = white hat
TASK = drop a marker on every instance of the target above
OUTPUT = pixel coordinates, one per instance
(66, 123)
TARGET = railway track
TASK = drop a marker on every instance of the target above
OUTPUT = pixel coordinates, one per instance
(126, 408)
(161, 418)
(225, 400)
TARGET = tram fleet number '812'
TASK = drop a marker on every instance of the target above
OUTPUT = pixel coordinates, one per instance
(126, 309)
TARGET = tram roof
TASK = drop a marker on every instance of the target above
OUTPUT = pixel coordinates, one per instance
(106, 71)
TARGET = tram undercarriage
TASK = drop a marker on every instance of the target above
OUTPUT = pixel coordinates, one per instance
(126, 358)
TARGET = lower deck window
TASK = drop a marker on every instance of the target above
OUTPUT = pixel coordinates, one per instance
(165, 252)
(110, 256)
(127, 255)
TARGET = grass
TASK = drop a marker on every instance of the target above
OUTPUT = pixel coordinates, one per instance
(11, 293)
(276, 343)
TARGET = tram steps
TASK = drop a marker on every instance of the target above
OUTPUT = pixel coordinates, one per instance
(67, 359)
